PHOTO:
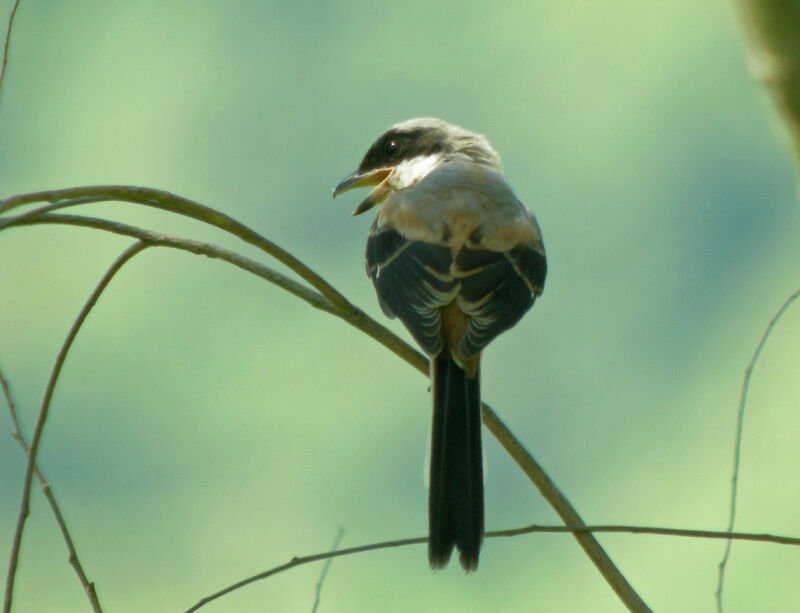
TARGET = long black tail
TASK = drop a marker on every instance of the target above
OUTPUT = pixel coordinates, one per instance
(455, 506)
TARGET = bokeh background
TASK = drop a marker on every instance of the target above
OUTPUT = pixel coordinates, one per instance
(207, 425)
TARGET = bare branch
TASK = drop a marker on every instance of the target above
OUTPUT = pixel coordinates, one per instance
(738, 444)
(37, 433)
(182, 206)
(325, 568)
(351, 314)
(530, 529)
(7, 43)
(74, 560)
(565, 511)
(706, 534)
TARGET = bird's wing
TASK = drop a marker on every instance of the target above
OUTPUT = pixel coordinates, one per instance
(497, 288)
(413, 281)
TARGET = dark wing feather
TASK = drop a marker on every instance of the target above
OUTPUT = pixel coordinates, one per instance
(413, 282)
(497, 289)
(531, 265)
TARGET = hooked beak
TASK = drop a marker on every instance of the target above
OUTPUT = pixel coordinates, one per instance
(366, 178)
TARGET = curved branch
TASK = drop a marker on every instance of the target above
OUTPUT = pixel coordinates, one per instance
(74, 560)
(43, 411)
(567, 513)
(737, 446)
(183, 206)
(531, 529)
(350, 313)
(7, 44)
(657, 531)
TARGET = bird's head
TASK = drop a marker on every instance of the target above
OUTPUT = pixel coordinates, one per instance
(409, 151)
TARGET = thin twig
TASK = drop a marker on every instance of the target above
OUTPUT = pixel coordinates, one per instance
(298, 561)
(738, 443)
(183, 206)
(7, 43)
(23, 218)
(351, 314)
(159, 239)
(43, 411)
(325, 568)
(567, 513)
(707, 534)
(74, 560)
(530, 529)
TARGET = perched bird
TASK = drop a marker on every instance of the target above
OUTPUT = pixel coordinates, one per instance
(458, 259)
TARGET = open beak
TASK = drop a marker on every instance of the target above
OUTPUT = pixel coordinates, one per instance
(366, 178)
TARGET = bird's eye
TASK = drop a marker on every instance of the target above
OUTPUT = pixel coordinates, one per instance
(393, 147)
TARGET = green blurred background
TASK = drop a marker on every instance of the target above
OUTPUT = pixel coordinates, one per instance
(207, 425)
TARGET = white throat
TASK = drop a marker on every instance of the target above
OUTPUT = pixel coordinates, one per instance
(408, 172)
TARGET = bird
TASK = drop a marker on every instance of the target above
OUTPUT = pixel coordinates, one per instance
(455, 255)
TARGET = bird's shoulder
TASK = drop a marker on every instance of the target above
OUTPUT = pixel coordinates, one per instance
(456, 201)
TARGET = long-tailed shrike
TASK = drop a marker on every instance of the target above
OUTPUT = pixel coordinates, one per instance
(459, 259)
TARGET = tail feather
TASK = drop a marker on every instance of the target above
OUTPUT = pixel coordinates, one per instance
(455, 506)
